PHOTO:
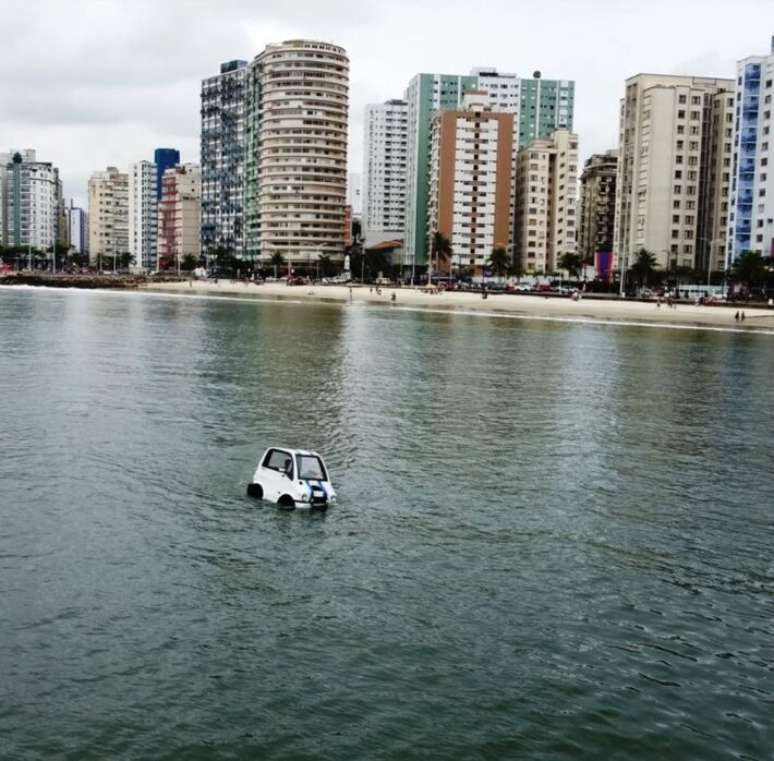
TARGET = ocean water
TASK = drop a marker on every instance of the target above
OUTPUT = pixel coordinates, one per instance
(552, 541)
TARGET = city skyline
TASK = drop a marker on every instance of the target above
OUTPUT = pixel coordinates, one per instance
(84, 104)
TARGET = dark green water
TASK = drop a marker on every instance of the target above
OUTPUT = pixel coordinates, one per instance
(553, 541)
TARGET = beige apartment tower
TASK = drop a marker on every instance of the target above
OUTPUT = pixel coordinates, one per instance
(108, 214)
(296, 156)
(546, 202)
(179, 216)
(674, 170)
(470, 198)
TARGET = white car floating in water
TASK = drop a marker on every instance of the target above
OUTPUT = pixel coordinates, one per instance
(292, 478)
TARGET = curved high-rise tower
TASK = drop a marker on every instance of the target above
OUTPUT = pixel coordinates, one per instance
(296, 160)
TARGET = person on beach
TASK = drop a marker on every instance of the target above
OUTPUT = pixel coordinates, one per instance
(392, 298)
(350, 293)
(742, 317)
(736, 316)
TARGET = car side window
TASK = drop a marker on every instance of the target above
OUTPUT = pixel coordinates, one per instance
(276, 459)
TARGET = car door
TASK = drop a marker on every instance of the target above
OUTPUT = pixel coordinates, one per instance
(275, 481)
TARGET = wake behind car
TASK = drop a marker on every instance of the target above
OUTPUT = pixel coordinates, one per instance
(292, 478)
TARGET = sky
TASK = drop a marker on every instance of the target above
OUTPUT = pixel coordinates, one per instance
(90, 84)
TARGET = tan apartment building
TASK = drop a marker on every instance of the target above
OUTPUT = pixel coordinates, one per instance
(597, 205)
(297, 113)
(546, 202)
(471, 190)
(674, 170)
(179, 215)
(108, 214)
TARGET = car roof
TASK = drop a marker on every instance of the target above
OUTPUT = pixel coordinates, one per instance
(295, 452)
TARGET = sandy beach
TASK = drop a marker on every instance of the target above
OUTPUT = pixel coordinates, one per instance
(525, 306)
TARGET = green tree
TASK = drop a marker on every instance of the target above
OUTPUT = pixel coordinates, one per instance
(277, 261)
(517, 269)
(326, 266)
(749, 269)
(357, 231)
(644, 266)
(572, 264)
(499, 261)
(440, 248)
(189, 263)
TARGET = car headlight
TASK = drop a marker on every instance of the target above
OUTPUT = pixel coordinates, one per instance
(305, 498)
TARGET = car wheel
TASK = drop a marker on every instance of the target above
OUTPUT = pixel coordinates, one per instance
(286, 501)
(255, 490)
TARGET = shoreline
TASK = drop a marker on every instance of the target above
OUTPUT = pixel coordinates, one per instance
(519, 306)
(617, 312)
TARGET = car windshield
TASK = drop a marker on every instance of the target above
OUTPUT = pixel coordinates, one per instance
(310, 466)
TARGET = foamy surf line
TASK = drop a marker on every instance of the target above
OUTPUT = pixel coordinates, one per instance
(584, 320)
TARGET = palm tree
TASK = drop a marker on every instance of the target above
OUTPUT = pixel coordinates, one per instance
(277, 260)
(440, 249)
(748, 268)
(498, 261)
(644, 265)
(325, 265)
(572, 264)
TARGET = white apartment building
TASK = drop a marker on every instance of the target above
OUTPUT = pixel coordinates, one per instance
(108, 214)
(546, 205)
(751, 226)
(674, 170)
(30, 200)
(143, 216)
(384, 172)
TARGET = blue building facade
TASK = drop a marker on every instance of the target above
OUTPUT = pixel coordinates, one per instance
(751, 224)
(223, 109)
(164, 158)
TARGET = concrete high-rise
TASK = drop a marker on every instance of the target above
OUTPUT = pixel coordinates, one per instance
(355, 194)
(179, 223)
(674, 170)
(108, 215)
(30, 200)
(751, 226)
(222, 158)
(143, 215)
(597, 205)
(470, 197)
(296, 155)
(546, 208)
(384, 171)
(78, 228)
(539, 107)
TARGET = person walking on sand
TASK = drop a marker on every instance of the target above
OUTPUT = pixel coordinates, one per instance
(742, 317)
(350, 293)
(736, 316)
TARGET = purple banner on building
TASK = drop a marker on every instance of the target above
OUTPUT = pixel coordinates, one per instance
(603, 264)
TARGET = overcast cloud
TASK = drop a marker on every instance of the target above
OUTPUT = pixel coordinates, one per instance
(90, 84)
